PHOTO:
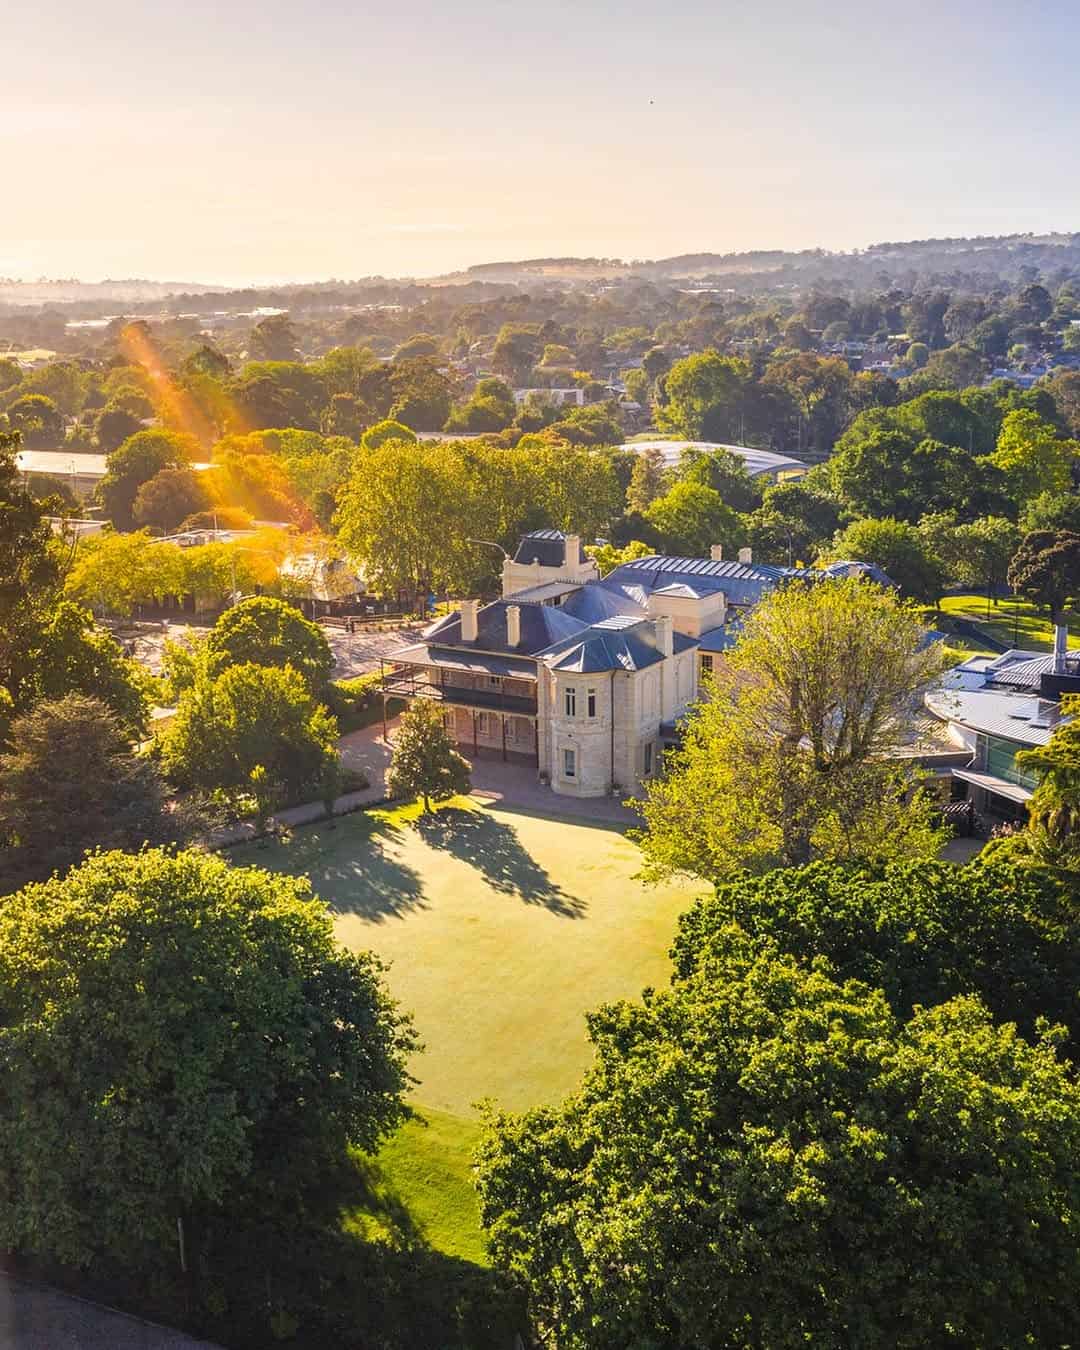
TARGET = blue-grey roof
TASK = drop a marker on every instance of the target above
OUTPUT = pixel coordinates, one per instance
(475, 663)
(592, 603)
(541, 625)
(1014, 717)
(611, 645)
(741, 583)
(847, 566)
(1024, 670)
(720, 639)
(545, 546)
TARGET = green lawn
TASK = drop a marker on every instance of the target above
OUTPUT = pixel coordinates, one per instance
(501, 929)
(1017, 624)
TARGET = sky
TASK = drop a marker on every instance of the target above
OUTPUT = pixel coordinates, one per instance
(232, 142)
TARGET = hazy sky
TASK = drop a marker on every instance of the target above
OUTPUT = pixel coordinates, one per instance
(232, 141)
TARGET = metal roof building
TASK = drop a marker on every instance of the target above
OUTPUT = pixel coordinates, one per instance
(757, 461)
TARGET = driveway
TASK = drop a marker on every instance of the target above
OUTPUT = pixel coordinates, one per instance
(510, 783)
(37, 1317)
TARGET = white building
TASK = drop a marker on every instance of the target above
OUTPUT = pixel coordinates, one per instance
(580, 677)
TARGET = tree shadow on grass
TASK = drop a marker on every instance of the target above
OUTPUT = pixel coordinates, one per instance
(493, 848)
(353, 869)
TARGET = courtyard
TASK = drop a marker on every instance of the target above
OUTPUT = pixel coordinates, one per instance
(501, 928)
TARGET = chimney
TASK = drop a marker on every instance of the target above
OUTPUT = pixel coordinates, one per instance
(572, 552)
(469, 629)
(746, 555)
(716, 553)
(513, 626)
(507, 576)
(1061, 647)
(665, 639)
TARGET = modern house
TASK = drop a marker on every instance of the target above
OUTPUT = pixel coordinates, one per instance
(994, 707)
(582, 677)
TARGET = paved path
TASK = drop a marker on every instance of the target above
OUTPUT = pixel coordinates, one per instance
(37, 1317)
(512, 785)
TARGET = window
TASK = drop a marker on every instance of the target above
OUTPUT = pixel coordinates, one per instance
(706, 663)
(590, 703)
(569, 764)
(482, 724)
(571, 701)
(494, 681)
(648, 758)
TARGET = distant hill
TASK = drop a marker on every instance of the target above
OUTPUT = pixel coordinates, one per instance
(66, 292)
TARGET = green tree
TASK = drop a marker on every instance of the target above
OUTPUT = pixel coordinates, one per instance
(274, 339)
(386, 430)
(793, 753)
(424, 763)
(28, 569)
(114, 425)
(182, 1040)
(516, 351)
(490, 408)
(269, 632)
(649, 479)
(169, 498)
(401, 516)
(917, 355)
(421, 394)
(345, 415)
(72, 655)
(763, 1155)
(1046, 569)
(725, 472)
(1033, 457)
(1051, 840)
(702, 397)
(923, 931)
(38, 421)
(246, 717)
(607, 556)
(70, 782)
(1052, 511)
(898, 549)
(137, 461)
(692, 517)
(795, 519)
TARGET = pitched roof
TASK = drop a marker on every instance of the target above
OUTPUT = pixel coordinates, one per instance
(613, 644)
(541, 625)
(547, 547)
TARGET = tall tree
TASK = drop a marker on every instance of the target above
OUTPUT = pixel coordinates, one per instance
(137, 461)
(270, 632)
(763, 1155)
(424, 763)
(182, 1040)
(792, 754)
(71, 781)
(701, 397)
(1046, 569)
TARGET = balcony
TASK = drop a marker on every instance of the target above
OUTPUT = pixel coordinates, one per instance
(418, 682)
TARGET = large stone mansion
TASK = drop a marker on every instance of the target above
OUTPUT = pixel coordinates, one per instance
(584, 677)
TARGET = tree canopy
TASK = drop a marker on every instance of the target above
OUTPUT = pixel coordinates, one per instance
(793, 752)
(764, 1154)
(179, 1036)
